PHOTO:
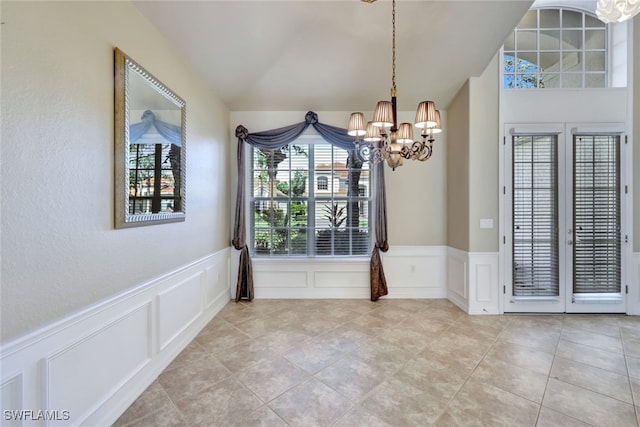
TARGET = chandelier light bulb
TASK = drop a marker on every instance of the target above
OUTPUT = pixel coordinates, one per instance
(373, 133)
(405, 133)
(383, 116)
(356, 125)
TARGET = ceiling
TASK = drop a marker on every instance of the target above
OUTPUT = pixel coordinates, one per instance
(327, 55)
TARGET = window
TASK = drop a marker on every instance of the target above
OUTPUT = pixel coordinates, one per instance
(535, 216)
(323, 183)
(556, 48)
(290, 217)
(152, 168)
(596, 221)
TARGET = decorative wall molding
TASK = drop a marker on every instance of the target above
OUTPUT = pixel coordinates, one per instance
(95, 363)
(411, 272)
(416, 271)
(473, 282)
(484, 283)
(633, 281)
(457, 278)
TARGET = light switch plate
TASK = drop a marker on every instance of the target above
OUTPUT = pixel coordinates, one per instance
(486, 223)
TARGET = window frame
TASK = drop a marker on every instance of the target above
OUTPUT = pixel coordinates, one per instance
(312, 198)
(517, 79)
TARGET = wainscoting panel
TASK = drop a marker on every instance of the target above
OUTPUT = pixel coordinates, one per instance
(95, 357)
(473, 281)
(457, 282)
(341, 279)
(411, 272)
(280, 279)
(484, 283)
(633, 304)
(216, 281)
(88, 368)
(178, 307)
(416, 271)
(309, 278)
(11, 397)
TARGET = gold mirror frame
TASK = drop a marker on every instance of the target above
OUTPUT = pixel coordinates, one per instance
(142, 101)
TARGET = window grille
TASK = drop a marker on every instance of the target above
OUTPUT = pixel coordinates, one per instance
(323, 183)
(556, 48)
(535, 216)
(597, 251)
(151, 179)
(292, 217)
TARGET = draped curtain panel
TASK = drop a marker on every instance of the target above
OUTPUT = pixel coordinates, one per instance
(378, 280)
(171, 133)
(276, 138)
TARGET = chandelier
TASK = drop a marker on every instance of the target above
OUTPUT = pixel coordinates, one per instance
(609, 11)
(382, 138)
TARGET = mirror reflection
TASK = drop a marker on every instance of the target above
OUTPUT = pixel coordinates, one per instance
(150, 148)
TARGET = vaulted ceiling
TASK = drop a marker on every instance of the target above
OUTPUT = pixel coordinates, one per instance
(333, 55)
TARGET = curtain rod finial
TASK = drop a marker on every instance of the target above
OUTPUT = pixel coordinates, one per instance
(241, 132)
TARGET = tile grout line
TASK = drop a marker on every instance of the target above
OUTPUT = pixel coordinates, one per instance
(453, 397)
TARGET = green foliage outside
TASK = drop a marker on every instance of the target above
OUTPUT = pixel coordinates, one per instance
(526, 73)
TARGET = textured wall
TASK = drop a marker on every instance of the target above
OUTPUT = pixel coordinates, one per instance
(60, 251)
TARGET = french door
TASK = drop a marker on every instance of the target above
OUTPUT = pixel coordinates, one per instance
(563, 225)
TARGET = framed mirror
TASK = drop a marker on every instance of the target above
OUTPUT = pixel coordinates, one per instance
(150, 143)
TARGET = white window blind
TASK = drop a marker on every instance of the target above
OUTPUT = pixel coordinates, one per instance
(535, 215)
(597, 256)
(309, 198)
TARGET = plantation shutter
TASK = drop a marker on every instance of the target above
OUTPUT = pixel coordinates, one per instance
(535, 216)
(597, 251)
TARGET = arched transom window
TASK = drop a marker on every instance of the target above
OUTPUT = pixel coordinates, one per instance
(556, 48)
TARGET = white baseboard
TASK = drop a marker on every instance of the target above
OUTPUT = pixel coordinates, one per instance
(89, 367)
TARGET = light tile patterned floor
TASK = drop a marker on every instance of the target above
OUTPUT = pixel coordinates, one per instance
(397, 363)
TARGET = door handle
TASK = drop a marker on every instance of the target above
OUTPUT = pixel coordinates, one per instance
(569, 242)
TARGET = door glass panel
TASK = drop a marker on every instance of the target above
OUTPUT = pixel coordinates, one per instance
(597, 256)
(535, 216)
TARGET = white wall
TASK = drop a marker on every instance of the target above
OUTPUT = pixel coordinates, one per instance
(60, 251)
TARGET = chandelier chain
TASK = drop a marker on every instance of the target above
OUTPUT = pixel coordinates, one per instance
(393, 48)
(383, 139)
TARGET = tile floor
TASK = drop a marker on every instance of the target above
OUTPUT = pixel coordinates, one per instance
(397, 363)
